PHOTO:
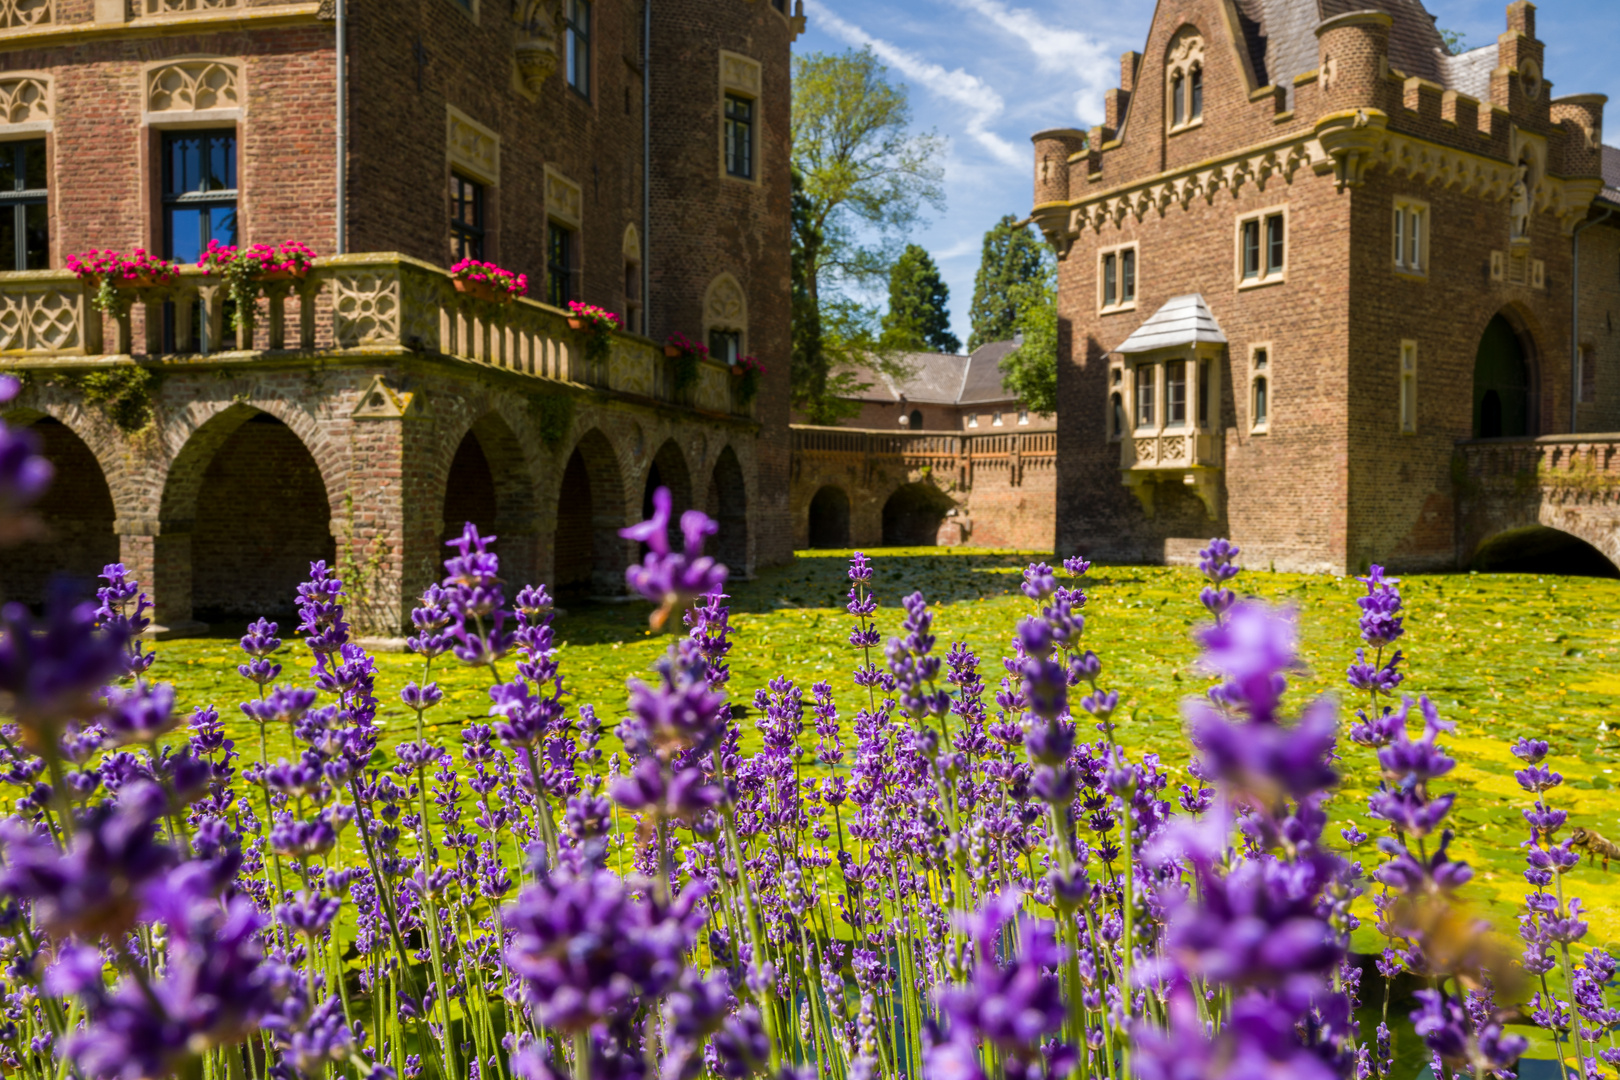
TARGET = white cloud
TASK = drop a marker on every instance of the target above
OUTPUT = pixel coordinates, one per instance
(981, 105)
(1055, 49)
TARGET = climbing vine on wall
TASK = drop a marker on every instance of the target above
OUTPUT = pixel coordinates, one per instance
(553, 416)
(123, 395)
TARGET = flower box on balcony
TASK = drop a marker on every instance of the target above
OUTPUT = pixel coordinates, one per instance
(487, 291)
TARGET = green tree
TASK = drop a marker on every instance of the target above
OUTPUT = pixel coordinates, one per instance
(1012, 256)
(1029, 372)
(862, 178)
(919, 314)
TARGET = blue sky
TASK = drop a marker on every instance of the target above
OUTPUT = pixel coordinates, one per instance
(987, 74)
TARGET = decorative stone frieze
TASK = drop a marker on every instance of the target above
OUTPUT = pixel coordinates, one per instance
(472, 147)
(194, 86)
(22, 14)
(25, 100)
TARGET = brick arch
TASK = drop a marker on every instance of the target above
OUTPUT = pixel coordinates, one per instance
(101, 440)
(490, 478)
(1547, 536)
(828, 517)
(727, 502)
(247, 502)
(669, 468)
(197, 434)
(593, 503)
(75, 515)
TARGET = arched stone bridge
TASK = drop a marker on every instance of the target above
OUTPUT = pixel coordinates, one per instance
(861, 488)
(1511, 491)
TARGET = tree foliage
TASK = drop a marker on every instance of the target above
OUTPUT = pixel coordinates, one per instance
(861, 179)
(1029, 372)
(1012, 256)
(919, 314)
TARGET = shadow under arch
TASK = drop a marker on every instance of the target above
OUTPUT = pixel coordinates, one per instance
(913, 514)
(588, 555)
(245, 510)
(727, 504)
(829, 517)
(76, 517)
(489, 483)
(1541, 549)
(1507, 378)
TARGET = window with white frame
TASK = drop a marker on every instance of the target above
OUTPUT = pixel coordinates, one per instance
(1260, 388)
(1116, 276)
(1146, 393)
(1408, 387)
(1262, 242)
(1411, 234)
(1023, 416)
(972, 420)
(1175, 393)
(995, 418)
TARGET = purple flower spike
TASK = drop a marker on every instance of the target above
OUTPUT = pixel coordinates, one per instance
(1039, 582)
(671, 579)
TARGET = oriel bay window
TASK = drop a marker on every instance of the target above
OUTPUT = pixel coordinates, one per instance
(25, 241)
(199, 192)
(1146, 391)
(1175, 393)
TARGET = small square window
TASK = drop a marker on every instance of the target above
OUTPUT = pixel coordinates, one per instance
(1262, 248)
(1023, 416)
(725, 346)
(1410, 232)
(1117, 278)
(973, 420)
(739, 137)
(995, 419)
(560, 256)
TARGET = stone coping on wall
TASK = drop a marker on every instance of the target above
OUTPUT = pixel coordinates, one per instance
(54, 35)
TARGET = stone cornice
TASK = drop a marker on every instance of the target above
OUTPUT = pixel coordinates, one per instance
(1344, 145)
(55, 35)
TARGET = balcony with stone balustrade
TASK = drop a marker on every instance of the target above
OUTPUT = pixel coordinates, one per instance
(361, 307)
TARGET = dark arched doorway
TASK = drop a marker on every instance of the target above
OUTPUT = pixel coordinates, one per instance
(588, 555)
(261, 517)
(1538, 549)
(913, 515)
(76, 514)
(668, 469)
(829, 518)
(727, 504)
(469, 492)
(1502, 386)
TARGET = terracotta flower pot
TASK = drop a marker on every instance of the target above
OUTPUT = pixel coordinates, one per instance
(139, 281)
(281, 275)
(576, 324)
(672, 351)
(736, 369)
(483, 290)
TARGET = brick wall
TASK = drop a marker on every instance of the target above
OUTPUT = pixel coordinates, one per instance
(1600, 323)
(1333, 483)
(704, 224)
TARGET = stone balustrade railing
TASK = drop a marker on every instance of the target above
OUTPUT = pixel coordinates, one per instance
(944, 452)
(365, 304)
(1591, 460)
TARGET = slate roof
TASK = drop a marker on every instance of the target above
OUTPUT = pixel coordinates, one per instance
(942, 378)
(1183, 320)
(1281, 36)
(1611, 175)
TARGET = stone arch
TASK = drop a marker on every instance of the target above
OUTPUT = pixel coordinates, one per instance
(912, 515)
(1506, 379)
(588, 555)
(668, 468)
(829, 517)
(727, 504)
(76, 516)
(1547, 549)
(725, 311)
(489, 481)
(245, 508)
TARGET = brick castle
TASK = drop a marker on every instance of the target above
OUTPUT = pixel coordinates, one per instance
(1327, 289)
(621, 153)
